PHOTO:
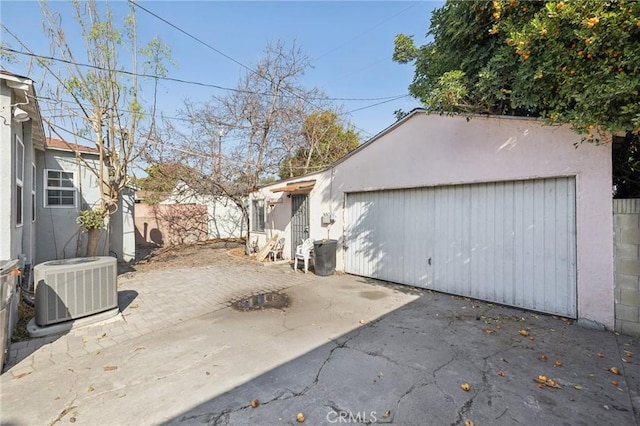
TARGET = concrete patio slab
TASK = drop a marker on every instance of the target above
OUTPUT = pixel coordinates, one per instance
(346, 350)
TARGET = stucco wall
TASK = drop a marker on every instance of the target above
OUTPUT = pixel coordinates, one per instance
(59, 235)
(224, 217)
(15, 240)
(123, 234)
(6, 175)
(166, 225)
(432, 150)
(626, 219)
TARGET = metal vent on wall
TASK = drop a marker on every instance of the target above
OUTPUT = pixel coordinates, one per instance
(74, 288)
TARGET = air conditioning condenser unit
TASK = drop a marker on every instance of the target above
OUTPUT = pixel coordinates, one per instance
(69, 289)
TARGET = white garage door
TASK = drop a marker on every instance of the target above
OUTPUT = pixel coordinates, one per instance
(506, 242)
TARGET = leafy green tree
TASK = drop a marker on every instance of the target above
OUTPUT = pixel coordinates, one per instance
(574, 62)
(571, 61)
(325, 138)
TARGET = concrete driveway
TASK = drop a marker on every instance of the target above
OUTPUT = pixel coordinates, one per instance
(346, 350)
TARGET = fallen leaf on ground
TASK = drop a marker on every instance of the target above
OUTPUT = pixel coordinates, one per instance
(488, 331)
(614, 383)
(531, 338)
(255, 403)
(498, 327)
(110, 368)
(628, 354)
(133, 306)
(548, 382)
(552, 383)
(90, 389)
(557, 364)
(465, 387)
(468, 423)
(21, 375)
(361, 321)
(615, 370)
(501, 373)
(300, 417)
(600, 354)
(387, 414)
(524, 333)
(578, 387)
(543, 357)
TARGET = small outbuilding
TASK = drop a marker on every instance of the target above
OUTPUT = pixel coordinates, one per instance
(503, 209)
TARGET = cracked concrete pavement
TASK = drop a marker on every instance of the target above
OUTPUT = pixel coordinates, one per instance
(347, 350)
(407, 368)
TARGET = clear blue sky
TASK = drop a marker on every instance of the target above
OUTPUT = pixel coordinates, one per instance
(350, 45)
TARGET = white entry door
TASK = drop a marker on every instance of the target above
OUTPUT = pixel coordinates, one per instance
(506, 242)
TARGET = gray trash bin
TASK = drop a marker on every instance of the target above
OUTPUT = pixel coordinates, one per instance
(9, 297)
(325, 257)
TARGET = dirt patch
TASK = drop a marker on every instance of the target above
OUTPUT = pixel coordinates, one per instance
(239, 252)
(191, 255)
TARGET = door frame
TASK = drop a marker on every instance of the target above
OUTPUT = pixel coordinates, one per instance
(299, 201)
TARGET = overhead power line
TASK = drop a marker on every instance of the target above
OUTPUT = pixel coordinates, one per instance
(304, 99)
(191, 36)
(178, 80)
(379, 103)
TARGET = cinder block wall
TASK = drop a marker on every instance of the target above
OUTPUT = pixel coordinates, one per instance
(626, 222)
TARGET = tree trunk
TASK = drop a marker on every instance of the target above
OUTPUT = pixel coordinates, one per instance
(93, 238)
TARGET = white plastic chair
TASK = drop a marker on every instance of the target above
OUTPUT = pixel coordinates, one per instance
(304, 252)
(277, 250)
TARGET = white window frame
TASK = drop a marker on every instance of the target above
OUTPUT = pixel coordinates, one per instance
(33, 192)
(46, 188)
(19, 182)
(254, 215)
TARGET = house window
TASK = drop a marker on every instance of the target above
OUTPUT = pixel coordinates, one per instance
(258, 215)
(33, 192)
(19, 179)
(18, 205)
(59, 189)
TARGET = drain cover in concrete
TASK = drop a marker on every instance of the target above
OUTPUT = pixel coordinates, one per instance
(262, 301)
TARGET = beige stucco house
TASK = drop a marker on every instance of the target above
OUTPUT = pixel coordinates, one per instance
(501, 209)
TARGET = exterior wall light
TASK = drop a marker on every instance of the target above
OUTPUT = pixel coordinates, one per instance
(20, 115)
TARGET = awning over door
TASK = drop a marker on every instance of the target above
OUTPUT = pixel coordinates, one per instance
(296, 187)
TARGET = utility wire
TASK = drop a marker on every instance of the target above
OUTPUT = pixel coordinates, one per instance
(306, 100)
(367, 30)
(191, 36)
(178, 80)
(379, 103)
